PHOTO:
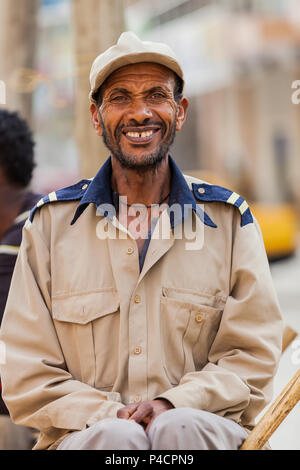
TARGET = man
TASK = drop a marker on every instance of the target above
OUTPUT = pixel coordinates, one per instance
(16, 167)
(148, 319)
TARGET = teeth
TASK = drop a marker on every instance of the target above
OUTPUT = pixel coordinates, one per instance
(132, 134)
(146, 134)
(142, 134)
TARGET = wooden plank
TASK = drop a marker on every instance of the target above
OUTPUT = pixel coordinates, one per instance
(288, 336)
(274, 416)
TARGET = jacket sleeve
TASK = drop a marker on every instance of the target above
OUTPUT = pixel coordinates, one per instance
(37, 387)
(237, 380)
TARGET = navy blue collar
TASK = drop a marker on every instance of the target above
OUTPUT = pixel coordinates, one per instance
(181, 194)
(99, 193)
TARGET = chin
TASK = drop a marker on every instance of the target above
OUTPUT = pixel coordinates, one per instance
(140, 162)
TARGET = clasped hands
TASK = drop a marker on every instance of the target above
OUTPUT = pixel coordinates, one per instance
(145, 412)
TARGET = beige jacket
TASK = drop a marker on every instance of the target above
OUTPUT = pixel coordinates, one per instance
(86, 332)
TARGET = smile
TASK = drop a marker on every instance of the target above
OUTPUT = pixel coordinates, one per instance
(140, 136)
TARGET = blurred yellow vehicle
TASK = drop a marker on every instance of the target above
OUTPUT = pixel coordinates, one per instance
(279, 222)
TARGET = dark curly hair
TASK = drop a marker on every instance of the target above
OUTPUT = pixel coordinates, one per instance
(16, 148)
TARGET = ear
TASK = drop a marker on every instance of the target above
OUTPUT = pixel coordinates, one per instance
(96, 119)
(181, 113)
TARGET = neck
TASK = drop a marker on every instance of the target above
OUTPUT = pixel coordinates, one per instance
(148, 187)
(11, 202)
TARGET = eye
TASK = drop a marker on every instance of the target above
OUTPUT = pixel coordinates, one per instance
(157, 95)
(119, 99)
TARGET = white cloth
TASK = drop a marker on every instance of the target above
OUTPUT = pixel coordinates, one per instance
(175, 429)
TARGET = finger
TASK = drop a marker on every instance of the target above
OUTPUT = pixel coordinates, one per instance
(126, 412)
(147, 419)
(143, 412)
(123, 414)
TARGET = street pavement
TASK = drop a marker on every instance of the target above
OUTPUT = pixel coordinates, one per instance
(286, 277)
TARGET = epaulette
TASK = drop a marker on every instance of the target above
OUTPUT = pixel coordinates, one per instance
(212, 193)
(70, 193)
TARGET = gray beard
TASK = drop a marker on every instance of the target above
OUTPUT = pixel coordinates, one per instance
(149, 161)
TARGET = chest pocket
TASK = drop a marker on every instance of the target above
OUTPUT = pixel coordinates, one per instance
(87, 326)
(188, 328)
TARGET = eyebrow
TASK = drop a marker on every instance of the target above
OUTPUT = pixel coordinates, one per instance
(156, 88)
(119, 90)
(127, 92)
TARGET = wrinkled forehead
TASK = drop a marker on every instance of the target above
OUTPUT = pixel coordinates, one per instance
(144, 72)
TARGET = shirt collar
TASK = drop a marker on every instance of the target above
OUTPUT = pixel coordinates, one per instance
(182, 195)
(99, 193)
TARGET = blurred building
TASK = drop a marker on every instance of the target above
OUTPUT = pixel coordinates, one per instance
(54, 97)
(240, 59)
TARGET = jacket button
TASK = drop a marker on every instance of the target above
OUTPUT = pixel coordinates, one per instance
(137, 399)
(130, 250)
(201, 190)
(137, 299)
(137, 350)
(84, 187)
(199, 318)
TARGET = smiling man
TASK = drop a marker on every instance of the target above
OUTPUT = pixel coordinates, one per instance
(138, 106)
(129, 335)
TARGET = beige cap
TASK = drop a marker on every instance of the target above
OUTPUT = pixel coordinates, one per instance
(131, 50)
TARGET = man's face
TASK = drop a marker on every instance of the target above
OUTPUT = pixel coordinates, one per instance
(139, 116)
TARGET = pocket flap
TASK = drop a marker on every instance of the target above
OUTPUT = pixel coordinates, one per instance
(86, 307)
(207, 302)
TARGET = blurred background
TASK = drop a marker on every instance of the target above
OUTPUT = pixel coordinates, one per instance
(241, 60)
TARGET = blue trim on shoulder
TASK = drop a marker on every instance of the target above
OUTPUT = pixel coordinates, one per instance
(214, 193)
(247, 218)
(70, 193)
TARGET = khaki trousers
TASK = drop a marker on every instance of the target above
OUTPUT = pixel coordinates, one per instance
(13, 437)
(175, 429)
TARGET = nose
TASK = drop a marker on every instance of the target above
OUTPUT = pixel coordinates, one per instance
(139, 112)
